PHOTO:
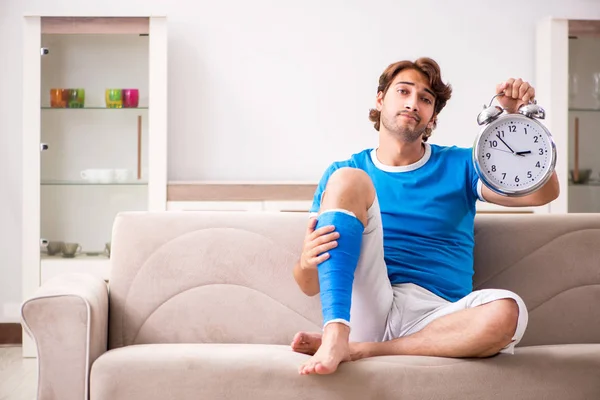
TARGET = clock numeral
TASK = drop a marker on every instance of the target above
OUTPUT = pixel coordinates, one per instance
(512, 128)
(488, 155)
(501, 133)
(526, 131)
(517, 178)
(537, 164)
(529, 175)
(541, 152)
(535, 139)
(493, 168)
(493, 143)
(504, 175)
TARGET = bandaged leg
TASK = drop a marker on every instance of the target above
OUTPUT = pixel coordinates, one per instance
(336, 274)
(372, 294)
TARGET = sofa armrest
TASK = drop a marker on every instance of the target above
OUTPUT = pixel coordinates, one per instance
(67, 318)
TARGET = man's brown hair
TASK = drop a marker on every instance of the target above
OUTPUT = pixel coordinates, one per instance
(431, 70)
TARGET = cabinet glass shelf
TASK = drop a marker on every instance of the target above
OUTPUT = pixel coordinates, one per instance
(86, 183)
(93, 108)
(587, 184)
(585, 109)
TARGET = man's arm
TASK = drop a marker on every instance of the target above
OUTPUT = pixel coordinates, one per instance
(307, 279)
(540, 197)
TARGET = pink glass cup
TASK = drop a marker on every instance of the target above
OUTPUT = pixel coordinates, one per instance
(131, 98)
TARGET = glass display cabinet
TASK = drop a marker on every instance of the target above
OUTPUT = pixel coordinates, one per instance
(94, 138)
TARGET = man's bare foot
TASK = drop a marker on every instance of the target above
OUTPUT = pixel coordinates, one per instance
(334, 349)
(306, 342)
(309, 343)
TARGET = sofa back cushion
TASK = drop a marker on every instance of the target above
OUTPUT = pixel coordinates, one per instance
(553, 262)
(226, 277)
(207, 277)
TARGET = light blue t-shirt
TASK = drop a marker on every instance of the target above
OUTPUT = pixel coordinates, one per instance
(428, 212)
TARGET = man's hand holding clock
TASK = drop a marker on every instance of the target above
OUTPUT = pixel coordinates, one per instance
(516, 94)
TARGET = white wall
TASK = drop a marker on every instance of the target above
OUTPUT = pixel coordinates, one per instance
(255, 84)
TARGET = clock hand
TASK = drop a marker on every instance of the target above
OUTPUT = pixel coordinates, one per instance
(497, 149)
(498, 136)
(522, 153)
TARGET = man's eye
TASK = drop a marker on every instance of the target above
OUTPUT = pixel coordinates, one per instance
(426, 100)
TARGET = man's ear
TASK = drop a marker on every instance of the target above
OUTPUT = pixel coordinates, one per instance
(379, 101)
(432, 122)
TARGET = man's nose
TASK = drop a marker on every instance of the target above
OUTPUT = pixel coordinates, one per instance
(411, 104)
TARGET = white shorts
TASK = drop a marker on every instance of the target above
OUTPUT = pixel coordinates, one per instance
(381, 311)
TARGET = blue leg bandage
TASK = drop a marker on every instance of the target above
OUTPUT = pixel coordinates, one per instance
(336, 274)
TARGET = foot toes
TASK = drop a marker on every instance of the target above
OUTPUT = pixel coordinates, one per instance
(322, 369)
(298, 339)
(299, 347)
(308, 368)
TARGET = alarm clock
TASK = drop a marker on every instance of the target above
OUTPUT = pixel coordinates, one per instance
(514, 154)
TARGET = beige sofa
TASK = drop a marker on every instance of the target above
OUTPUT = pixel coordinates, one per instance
(204, 306)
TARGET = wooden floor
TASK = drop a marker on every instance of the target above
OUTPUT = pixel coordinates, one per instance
(18, 375)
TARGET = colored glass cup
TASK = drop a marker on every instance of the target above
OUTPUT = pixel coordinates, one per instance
(58, 98)
(114, 98)
(131, 98)
(76, 98)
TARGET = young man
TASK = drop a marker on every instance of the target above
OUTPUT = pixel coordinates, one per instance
(391, 247)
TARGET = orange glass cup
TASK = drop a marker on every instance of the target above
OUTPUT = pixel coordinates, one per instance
(59, 98)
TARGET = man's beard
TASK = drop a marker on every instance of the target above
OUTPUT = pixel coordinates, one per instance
(403, 133)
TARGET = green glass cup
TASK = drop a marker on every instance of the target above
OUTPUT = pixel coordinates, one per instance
(76, 98)
(114, 98)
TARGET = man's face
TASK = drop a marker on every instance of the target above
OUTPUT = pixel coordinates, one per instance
(407, 107)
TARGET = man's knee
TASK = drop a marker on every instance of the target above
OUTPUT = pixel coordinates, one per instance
(501, 323)
(353, 180)
(508, 317)
(350, 189)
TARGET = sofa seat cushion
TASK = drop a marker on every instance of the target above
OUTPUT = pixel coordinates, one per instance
(237, 371)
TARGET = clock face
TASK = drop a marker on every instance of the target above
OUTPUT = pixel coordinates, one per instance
(515, 154)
